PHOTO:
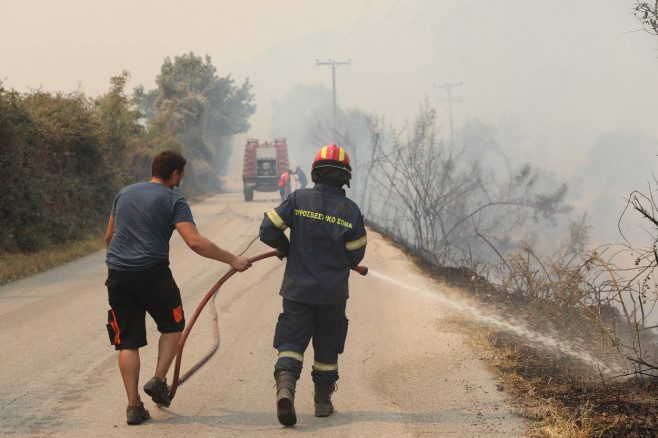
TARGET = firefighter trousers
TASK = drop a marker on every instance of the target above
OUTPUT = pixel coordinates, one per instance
(301, 322)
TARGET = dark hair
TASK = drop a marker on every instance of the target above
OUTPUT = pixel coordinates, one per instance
(166, 162)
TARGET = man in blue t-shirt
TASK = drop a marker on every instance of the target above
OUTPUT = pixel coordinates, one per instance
(139, 280)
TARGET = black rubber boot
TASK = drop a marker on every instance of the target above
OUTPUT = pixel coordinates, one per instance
(322, 397)
(285, 397)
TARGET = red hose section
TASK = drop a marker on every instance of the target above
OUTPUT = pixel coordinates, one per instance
(363, 270)
(190, 324)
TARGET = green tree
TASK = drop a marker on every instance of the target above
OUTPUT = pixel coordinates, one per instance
(648, 16)
(125, 140)
(202, 110)
(53, 160)
(15, 177)
(63, 157)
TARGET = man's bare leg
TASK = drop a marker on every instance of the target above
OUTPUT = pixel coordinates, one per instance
(167, 349)
(129, 366)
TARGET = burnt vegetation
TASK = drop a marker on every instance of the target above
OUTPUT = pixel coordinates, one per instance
(470, 225)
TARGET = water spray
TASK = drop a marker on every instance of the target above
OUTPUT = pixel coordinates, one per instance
(509, 325)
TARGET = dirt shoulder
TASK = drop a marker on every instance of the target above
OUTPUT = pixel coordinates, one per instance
(560, 389)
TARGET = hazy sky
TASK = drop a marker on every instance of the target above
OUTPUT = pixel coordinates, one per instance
(565, 71)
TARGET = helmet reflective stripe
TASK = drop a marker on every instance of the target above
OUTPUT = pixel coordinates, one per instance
(332, 156)
(356, 244)
(325, 152)
(292, 354)
(276, 219)
(319, 366)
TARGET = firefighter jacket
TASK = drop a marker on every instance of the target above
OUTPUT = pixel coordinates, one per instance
(327, 239)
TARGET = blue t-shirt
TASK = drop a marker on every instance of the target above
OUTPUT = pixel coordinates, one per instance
(144, 218)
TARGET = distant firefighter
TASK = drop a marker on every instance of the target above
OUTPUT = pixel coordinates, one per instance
(284, 184)
(301, 177)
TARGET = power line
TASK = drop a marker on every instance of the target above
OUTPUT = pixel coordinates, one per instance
(358, 20)
(427, 5)
(378, 27)
(385, 18)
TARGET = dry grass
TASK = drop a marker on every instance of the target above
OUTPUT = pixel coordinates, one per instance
(557, 398)
(14, 266)
(557, 395)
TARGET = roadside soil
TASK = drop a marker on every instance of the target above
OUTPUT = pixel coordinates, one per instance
(576, 384)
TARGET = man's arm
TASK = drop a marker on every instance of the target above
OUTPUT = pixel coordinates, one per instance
(206, 248)
(109, 233)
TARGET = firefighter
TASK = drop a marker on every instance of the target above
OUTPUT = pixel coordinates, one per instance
(327, 239)
(301, 177)
(284, 184)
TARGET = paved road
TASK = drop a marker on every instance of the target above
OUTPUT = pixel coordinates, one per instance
(404, 372)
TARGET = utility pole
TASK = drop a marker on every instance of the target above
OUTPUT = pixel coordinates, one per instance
(333, 65)
(450, 99)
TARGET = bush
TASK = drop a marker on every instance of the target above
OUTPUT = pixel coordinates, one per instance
(61, 164)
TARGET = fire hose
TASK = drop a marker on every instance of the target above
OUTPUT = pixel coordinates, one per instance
(363, 270)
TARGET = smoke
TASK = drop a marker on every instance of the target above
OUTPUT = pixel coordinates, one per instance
(544, 78)
(618, 163)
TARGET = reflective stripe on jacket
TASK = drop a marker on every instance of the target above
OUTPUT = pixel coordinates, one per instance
(327, 239)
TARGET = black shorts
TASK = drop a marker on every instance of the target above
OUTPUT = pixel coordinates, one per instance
(132, 294)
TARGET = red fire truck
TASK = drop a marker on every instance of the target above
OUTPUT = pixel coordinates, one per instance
(264, 163)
